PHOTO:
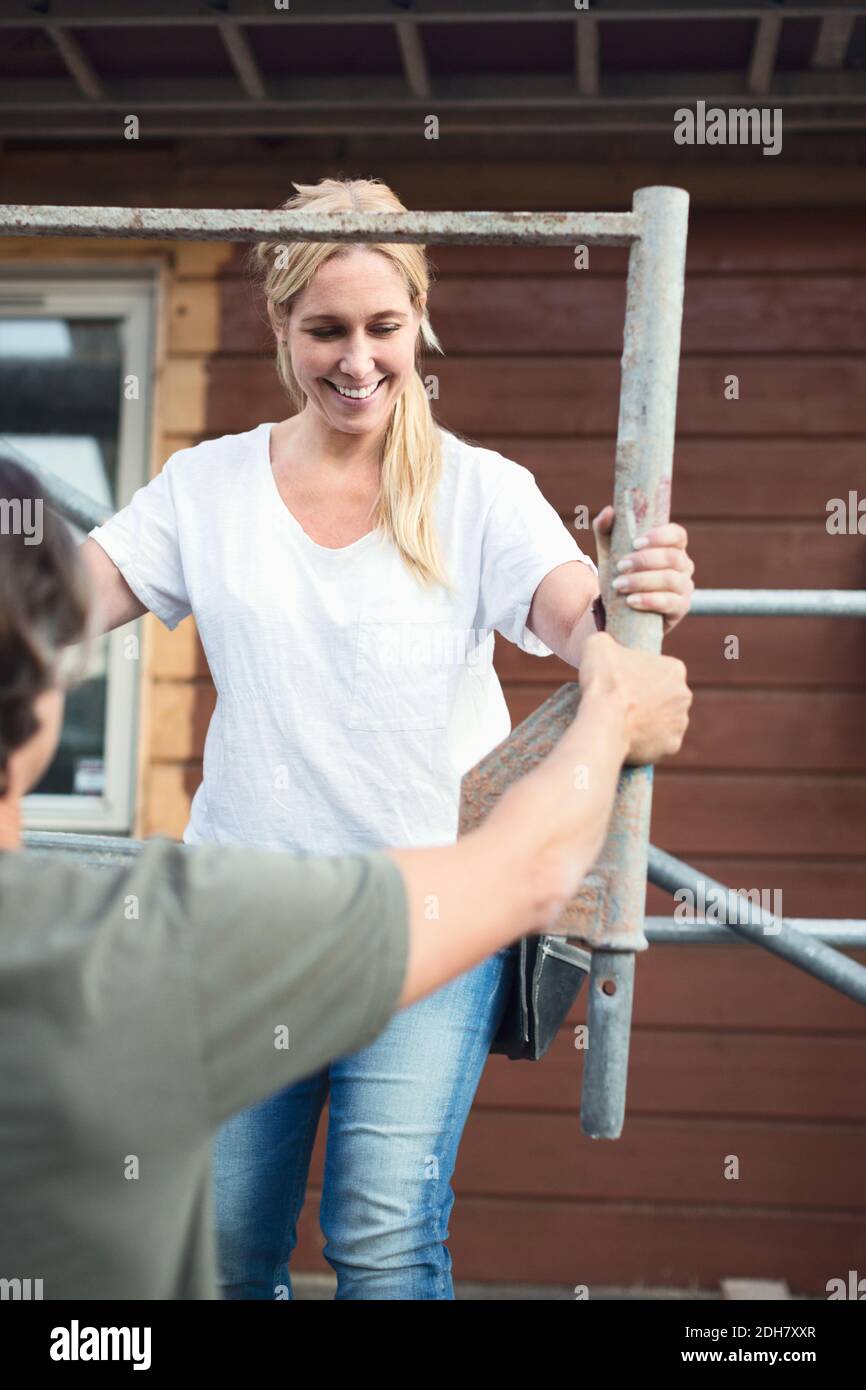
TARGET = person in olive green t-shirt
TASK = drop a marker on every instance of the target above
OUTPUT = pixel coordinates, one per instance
(141, 1006)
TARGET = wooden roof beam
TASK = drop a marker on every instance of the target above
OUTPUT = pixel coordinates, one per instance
(243, 60)
(86, 120)
(77, 62)
(765, 49)
(586, 54)
(414, 61)
(92, 13)
(832, 42)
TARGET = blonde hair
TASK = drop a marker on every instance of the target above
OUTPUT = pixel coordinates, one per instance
(411, 461)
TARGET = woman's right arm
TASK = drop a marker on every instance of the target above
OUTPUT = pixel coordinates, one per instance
(114, 601)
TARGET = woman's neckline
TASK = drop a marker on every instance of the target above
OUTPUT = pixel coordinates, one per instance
(279, 502)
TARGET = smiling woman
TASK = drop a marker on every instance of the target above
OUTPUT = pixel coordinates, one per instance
(331, 461)
(350, 325)
(335, 562)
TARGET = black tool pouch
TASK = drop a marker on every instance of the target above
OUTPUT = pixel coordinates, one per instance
(549, 972)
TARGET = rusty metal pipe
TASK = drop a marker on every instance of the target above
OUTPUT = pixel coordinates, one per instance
(486, 228)
(642, 490)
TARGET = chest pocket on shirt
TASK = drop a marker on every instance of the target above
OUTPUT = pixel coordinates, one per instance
(402, 663)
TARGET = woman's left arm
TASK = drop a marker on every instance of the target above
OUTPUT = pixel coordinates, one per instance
(656, 577)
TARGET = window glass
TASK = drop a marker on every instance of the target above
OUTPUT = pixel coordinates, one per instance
(60, 404)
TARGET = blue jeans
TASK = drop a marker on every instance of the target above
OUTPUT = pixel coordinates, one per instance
(397, 1110)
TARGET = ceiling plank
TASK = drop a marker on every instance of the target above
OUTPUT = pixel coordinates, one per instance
(84, 122)
(92, 13)
(344, 95)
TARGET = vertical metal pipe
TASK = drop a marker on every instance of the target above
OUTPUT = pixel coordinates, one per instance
(644, 460)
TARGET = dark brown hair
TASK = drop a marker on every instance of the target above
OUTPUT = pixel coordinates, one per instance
(44, 606)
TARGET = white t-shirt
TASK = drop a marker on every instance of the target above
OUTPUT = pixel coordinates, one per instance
(350, 698)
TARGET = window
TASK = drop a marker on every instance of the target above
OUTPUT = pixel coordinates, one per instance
(75, 387)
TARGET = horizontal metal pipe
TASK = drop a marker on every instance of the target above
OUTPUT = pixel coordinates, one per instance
(257, 224)
(848, 932)
(779, 603)
(761, 927)
(70, 502)
(95, 851)
(112, 851)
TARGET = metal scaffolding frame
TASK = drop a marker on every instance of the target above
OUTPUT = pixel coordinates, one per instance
(607, 914)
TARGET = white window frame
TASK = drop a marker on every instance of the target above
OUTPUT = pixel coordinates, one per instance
(131, 298)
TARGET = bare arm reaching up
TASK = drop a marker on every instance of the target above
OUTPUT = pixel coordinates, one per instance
(114, 601)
